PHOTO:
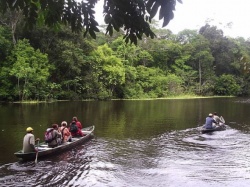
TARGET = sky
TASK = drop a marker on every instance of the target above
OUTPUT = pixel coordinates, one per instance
(193, 14)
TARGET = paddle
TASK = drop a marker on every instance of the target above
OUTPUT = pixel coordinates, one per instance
(37, 152)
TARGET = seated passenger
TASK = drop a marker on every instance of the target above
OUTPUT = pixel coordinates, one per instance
(209, 122)
(78, 123)
(66, 135)
(75, 127)
(217, 119)
(57, 137)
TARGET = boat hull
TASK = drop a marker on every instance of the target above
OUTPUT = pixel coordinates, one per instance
(218, 128)
(44, 150)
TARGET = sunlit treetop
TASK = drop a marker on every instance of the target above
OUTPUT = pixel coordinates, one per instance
(132, 16)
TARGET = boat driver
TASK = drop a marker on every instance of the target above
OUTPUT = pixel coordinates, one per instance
(209, 122)
(29, 141)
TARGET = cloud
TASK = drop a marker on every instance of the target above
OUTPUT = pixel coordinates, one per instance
(229, 15)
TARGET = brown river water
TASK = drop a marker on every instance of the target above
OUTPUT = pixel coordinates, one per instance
(136, 144)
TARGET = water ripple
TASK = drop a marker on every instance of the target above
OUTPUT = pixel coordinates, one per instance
(176, 158)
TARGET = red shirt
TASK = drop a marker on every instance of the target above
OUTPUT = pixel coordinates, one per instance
(79, 125)
(79, 132)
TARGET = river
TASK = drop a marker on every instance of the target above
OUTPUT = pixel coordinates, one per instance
(139, 143)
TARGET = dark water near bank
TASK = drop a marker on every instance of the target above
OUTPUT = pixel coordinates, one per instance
(136, 143)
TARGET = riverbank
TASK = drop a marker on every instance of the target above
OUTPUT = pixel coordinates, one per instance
(171, 97)
(181, 97)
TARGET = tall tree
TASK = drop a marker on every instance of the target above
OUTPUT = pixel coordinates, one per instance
(12, 18)
(223, 50)
(131, 54)
(199, 57)
(30, 68)
(108, 71)
(5, 44)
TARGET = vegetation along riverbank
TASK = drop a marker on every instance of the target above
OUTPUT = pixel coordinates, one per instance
(42, 64)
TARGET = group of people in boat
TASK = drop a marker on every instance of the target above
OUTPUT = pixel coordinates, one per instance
(61, 133)
(212, 121)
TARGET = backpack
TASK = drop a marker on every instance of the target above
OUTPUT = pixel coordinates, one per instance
(48, 136)
(62, 132)
(73, 127)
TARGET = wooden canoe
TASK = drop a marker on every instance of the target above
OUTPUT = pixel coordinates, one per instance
(220, 127)
(44, 150)
(217, 128)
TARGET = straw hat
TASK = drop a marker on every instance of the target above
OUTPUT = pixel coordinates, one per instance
(29, 129)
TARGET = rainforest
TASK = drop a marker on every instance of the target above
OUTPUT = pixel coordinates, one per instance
(45, 64)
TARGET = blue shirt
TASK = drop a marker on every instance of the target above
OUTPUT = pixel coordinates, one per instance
(209, 122)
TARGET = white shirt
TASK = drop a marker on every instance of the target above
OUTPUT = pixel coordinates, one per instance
(29, 143)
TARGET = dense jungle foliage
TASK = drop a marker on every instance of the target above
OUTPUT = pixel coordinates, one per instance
(44, 64)
(132, 16)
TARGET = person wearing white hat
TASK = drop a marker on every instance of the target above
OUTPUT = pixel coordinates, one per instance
(209, 121)
(217, 119)
(29, 141)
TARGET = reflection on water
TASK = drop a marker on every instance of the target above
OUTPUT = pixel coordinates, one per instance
(140, 144)
(178, 158)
